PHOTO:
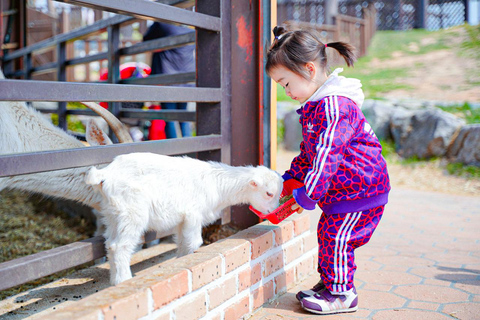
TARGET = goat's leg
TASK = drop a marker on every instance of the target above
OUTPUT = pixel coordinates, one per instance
(120, 246)
(189, 237)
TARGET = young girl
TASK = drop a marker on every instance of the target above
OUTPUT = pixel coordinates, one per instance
(340, 166)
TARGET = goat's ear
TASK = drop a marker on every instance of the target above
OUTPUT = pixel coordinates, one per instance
(255, 182)
(95, 136)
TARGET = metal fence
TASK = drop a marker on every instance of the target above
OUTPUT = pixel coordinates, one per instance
(391, 14)
(211, 93)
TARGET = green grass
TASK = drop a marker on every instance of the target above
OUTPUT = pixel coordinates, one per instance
(72, 123)
(459, 169)
(465, 111)
(473, 41)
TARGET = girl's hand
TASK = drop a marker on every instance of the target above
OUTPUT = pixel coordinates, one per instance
(296, 206)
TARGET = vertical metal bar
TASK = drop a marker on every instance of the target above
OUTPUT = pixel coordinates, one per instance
(208, 62)
(113, 69)
(421, 14)
(213, 64)
(61, 76)
(467, 9)
(27, 66)
(245, 94)
(226, 81)
(267, 114)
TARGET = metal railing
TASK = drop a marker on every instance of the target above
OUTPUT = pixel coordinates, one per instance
(211, 21)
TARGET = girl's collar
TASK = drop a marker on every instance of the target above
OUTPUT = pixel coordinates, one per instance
(329, 79)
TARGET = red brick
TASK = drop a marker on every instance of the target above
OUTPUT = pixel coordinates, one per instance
(216, 316)
(262, 295)
(293, 250)
(221, 293)
(123, 301)
(301, 224)
(284, 232)
(310, 242)
(249, 277)
(303, 268)
(205, 267)
(235, 251)
(238, 309)
(167, 282)
(285, 280)
(194, 307)
(73, 313)
(260, 237)
(237, 257)
(160, 315)
(273, 263)
(133, 306)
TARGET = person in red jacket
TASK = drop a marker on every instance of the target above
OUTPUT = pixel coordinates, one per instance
(340, 167)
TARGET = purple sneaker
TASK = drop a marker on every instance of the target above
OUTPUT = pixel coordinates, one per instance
(308, 293)
(324, 302)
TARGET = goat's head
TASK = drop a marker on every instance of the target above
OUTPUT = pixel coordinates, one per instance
(264, 189)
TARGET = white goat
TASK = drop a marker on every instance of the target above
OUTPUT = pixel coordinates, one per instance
(145, 191)
(23, 129)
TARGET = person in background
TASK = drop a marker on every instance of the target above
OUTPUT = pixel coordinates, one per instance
(340, 167)
(177, 60)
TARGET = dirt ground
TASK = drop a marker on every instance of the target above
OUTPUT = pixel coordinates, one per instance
(442, 75)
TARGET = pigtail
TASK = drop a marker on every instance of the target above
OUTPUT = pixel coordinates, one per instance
(346, 50)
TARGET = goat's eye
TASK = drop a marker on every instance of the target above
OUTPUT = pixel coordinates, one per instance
(269, 194)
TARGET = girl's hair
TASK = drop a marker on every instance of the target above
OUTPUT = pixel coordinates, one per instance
(294, 49)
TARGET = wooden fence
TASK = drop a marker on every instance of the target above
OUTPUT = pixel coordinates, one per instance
(356, 31)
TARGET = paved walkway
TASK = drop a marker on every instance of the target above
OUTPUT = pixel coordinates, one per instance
(423, 262)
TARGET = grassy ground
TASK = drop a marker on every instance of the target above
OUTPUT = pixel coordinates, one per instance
(380, 80)
(389, 44)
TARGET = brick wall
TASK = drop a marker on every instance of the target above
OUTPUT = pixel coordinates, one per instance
(228, 279)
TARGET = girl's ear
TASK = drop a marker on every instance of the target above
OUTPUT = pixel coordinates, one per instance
(311, 69)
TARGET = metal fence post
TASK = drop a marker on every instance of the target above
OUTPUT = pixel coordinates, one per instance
(61, 76)
(113, 69)
(208, 64)
(421, 14)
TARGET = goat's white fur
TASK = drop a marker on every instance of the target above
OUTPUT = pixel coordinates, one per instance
(145, 191)
(23, 129)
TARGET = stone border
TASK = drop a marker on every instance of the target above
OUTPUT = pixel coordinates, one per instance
(228, 279)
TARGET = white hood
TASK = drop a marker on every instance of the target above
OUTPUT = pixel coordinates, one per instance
(340, 86)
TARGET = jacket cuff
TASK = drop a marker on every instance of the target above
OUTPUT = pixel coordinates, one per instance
(303, 200)
(286, 176)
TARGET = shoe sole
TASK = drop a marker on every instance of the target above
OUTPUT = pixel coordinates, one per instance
(332, 311)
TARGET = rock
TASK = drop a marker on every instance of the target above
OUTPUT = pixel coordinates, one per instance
(293, 131)
(379, 114)
(466, 146)
(423, 133)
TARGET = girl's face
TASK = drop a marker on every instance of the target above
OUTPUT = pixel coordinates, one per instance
(297, 87)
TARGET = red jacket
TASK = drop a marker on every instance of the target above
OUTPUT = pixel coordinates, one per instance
(340, 162)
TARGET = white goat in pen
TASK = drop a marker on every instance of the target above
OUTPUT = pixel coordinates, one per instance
(23, 129)
(145, 191)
